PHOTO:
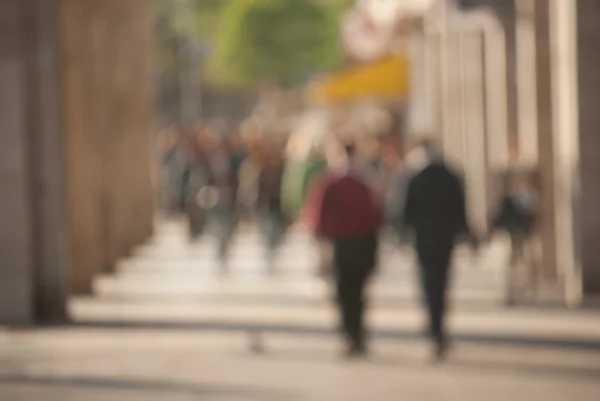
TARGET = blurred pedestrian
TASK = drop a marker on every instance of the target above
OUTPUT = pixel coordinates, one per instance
(306, 162)
(434, 208)
(199, 177)
(517, 217)
(399, 175)
(175, 159)
(272, 220)
(348, 214)
(219, 198)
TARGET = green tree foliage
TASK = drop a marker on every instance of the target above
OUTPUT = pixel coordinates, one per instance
(286, 40)
(177, 38)
(208, 18)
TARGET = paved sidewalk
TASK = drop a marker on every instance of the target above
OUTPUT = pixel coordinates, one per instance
(166, 328)
(145, 365)
(172, 283)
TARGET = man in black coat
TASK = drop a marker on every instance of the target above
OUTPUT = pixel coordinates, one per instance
(435, 212)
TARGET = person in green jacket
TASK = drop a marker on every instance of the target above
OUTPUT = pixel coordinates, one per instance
(300, 171)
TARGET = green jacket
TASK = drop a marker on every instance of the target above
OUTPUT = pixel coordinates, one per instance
(297, 179)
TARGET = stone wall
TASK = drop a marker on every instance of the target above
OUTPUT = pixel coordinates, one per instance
(588, 50)
(76, 114)
(109, 103)
(16, 242)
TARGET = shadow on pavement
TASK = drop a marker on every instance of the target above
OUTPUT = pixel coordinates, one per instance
(473, 304)
(318, 330)
(527, 369)
(211, 391)
(254, 329)
(482, 364)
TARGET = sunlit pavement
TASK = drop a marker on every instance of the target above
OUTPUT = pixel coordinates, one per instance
(171, 283)
(167, 327)
(99, 365)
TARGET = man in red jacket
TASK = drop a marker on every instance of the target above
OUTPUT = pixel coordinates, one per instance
(347, 212)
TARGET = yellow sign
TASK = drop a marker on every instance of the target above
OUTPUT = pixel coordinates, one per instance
(387, 78)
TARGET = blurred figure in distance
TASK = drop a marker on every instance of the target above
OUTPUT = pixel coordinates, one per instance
(305, 164)
(220, 196)
(271, 217)
(517, 217)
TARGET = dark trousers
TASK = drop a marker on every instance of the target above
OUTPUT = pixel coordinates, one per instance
(354, 261)
(435, 258)
(196, 220)
(273, 227)
(225, 225)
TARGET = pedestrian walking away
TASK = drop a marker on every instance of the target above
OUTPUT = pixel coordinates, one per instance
(349, 215)
(435, 211)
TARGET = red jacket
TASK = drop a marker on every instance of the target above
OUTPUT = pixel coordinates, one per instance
(343, 206)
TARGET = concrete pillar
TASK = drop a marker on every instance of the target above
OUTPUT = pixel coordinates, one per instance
(565, 132)
(56, 147)
(527, 118)
(418, 118)
(50, 283)
(495, 102)
(588, 86)
(452, 98)
(506, 12)
(447, 78)
(432, 84)
(32, 218)
(474, 128)
(496, 98)
(424, 108)
(107, 49)
(86, 247)
(545, 136)
(16, 242)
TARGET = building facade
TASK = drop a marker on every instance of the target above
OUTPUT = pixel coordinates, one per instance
(513, 82)
(76, 112)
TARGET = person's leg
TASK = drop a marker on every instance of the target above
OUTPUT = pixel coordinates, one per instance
(516, 261)
(435, 286)
(357, 309)
(358, 267)
(275, 237)
(226, 230)
(366, 263)
(427, 297)
(436, 283)
(267, 225)
(196, 220)
(342, 287)
(435, 265)
(354, 309)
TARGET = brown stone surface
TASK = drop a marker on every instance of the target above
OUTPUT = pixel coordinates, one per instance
(588, 42)
(15, 219)
(46, 160)
(109, 115)
(545, 135)
(81, 136)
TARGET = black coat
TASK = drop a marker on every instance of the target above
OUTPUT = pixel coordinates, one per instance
(435, 208)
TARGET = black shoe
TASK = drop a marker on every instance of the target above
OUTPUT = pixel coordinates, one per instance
(256, 343)
(356, 350)
(440, 351)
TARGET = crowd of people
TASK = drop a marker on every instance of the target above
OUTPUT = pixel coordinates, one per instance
(344, 189)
